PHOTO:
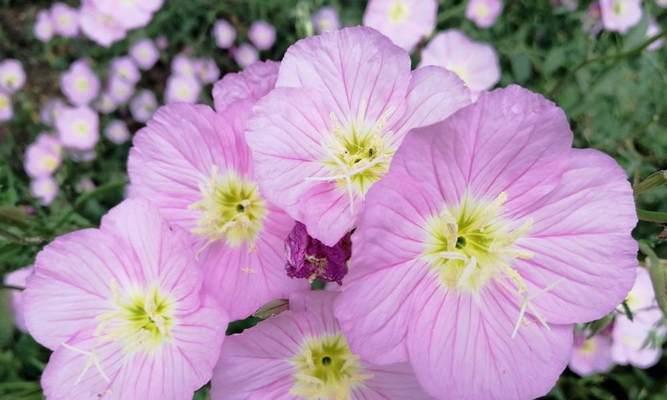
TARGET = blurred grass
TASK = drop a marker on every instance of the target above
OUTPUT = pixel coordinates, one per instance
(615, 102)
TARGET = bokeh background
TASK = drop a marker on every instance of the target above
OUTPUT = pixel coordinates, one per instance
(612, 86)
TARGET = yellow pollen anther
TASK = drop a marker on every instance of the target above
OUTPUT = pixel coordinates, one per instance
(398, 11)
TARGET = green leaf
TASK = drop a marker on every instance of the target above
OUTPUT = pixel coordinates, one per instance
(652, 216)
(521, 67)
(657, 271)
(654, 180)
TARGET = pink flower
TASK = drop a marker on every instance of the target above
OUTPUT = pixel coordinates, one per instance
(131, 14)
(194, 165)
(6, 108)
(79, 83)
(117, 132)
(121, 305)
(105, 104)
(143, 105)
(120, 90)
(245, 55)
(206, 70)
(65, 20)
(326, 20)
(631, 338)
(620, 15)
(245, 87)
(18, 278)
(262, 35)
(474, 62)
(43, 29)
(45, 189)
(144, 53)
(224, 34)
(591, 355)
(183, 64)
(12, 76)
(182, 88)
(405, 22)
(125, 68)
(302, 353)
(484, 13)
(43, 156)
(329, 130)
(654, 29)
(473, 253)
(78, 128)
(100, 27)
(50, 110)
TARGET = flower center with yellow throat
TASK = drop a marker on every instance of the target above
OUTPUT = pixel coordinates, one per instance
(356, 156)
(141, 319)
(326, 368)
(231, 208)
(471, 244)
(398, 11)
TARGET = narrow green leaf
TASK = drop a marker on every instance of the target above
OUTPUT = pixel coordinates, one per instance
(654, 180)
(657, 271)
(652, 216)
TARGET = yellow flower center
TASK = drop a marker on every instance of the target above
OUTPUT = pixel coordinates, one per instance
(618, 7)
(81, 128)
(398, 12)
(482, 10)
(326, 368)
(81, 84)
(460, 70)
(49, 163)
(141, 319)
(589, 347)
(230, 208)
(4, 102)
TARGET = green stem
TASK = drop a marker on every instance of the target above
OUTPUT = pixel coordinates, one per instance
(657, 272)
(612, 57)
(652, 216)
(654, 180)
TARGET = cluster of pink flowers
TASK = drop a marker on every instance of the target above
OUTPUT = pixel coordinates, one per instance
(103, 21)
(261, 34)
(637, 341)
(188, 77)
(460, 228)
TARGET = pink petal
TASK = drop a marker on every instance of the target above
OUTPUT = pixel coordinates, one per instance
(251, 84)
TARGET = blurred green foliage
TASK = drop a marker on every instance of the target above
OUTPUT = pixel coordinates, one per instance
(611, 87)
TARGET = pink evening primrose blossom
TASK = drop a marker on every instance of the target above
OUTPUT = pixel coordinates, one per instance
(117, 132)
(126, 68)
(120, 90)
(631, 338)
(65, 20)
(474, 62)
(484, 13)
(122, 308)
(206, 70)
(472, 254)
(405, 22)
(195, 166)
(44, 189)
(98, 26)
(183, 64)
(245, 55)
(43, 157)
(78, 128)
(43, 29)
(326, 20)
(329, 130)
(143, 105)
(79, 83)
(243, 89)
(620, 15)
(262, 35)
(131, 14)
(50, 110)
(303, 354)
(145, 53)
(18, 279)
(12, 76)
(224, 34)
(6, 107)
(591, 355)
(105, 104)
(182, 89)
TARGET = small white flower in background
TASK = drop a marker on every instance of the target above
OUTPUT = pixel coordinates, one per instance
(262, 35)
(245, 55)
(224, 34)
(12, 76)
(65, 20)
(78, 128)
(45, 189)
(43, 28)
(143, 105)
(207, 70)
(117, 132)
(145, 53)
(105, 103)
(326, 20)
(182, 88)
(620, 15)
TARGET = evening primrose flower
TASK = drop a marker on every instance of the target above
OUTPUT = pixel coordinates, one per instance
(405, 22)
(262, 35)
(51, 110)
(12, 76)
(43, 28)
(591, 355)
(6, 107)
(472, 255)
(123, 310)
(65, 20)
(326, 20)
(43, 156)
(206, 70)
(130, 14)
(195, 166)
(245, 87)
(99, 26)
(182, 88)
(145, 53)
(120, 90)
(303, 354)
(245, 55)
(79, 83)
(484, 13)
(143, 105)
(224, 34)
(117, 132)
(474, 62)
(44, 189)
(620, 15)
(328, 131)
(18, 279)
(78, 128)
(125, 68)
